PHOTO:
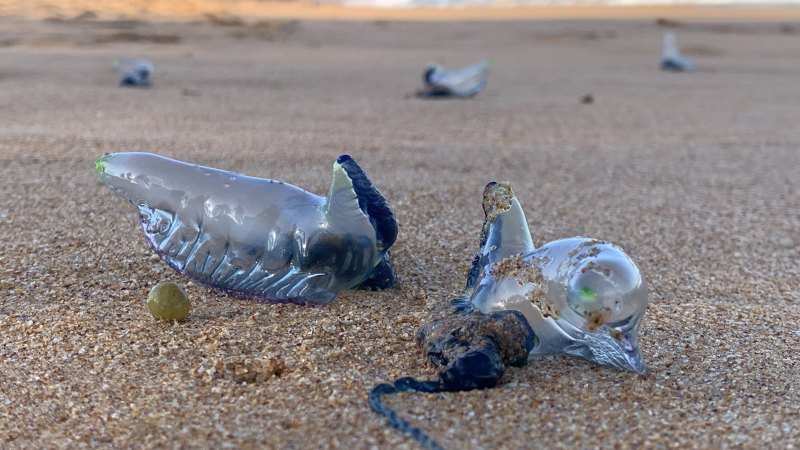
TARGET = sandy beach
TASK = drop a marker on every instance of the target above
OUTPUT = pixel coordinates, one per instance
(694, 175)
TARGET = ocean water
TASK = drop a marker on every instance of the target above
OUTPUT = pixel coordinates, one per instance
(513, 3)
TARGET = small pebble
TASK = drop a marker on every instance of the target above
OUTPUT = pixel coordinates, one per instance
(167, 301)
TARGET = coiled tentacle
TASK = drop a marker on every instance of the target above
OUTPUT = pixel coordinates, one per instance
(404, 385)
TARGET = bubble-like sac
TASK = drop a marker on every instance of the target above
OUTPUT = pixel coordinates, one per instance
(135, 72)
(582, 297)
(671, 58)
(257, 237)
(466, 82)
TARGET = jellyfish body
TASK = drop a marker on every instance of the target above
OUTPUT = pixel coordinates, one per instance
(136, 72)
(582, 297)
(577, 296)
(466, 82)
(671, 57)
(257, 237)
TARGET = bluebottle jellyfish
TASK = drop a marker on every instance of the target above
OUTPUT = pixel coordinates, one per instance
(582, 297)
(578, 297)
(257, 237)
(136, 72)
(466, 82)
(671, 57)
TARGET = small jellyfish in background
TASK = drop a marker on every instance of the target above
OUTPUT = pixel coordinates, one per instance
(671, 58)
(256, 237)
(135, 72)
(578, 297)
(466, 82)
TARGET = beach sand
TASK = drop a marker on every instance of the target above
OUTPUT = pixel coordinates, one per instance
(694, 175)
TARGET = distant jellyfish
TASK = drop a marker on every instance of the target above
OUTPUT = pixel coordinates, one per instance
(671, 58)
(135, 72)
(256, 237)
(576, 297)
(466, 82)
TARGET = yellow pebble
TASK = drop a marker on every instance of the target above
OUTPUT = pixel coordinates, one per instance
(168, 301)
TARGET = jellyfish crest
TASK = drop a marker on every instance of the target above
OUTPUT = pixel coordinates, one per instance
(352, 195)
(432, 73)
(342, 204)
(671, 57)
(669, 50)
(504, 231)
(356, 210)
(505, 227)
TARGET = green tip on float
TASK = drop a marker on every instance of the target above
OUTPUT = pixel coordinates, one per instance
(587, 294)
(100, 164)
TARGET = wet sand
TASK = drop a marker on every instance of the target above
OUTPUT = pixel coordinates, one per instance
(695, 175)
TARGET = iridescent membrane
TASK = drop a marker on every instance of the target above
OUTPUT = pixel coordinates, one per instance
(259, 237)
(582, 297)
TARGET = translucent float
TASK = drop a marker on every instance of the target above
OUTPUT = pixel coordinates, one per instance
(257, 237)
(466, 82)
(577, 296)
(582, 297)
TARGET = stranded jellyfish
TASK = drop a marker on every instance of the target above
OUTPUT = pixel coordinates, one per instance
(582, 297)
(135, 72)
(466, 82)
(256, 237)
(578, 297)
